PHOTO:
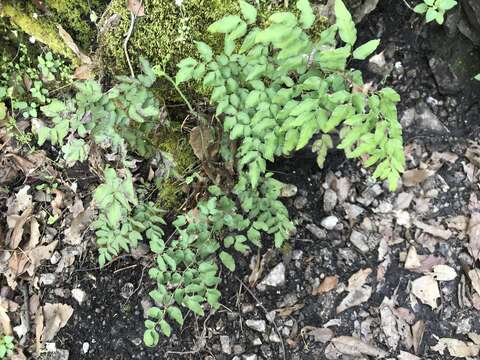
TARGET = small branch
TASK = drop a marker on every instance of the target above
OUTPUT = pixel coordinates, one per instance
(125, 42)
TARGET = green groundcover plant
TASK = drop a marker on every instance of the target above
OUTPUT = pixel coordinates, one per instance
(435, 9)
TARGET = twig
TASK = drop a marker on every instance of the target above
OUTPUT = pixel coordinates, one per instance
(125, 42)
(408, 5)
(266, 313)
(25, 315)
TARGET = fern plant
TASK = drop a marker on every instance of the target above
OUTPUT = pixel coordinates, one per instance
(277, 88)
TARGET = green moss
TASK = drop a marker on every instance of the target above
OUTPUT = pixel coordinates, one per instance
(172, 141)
(43, 32)
(74, 15)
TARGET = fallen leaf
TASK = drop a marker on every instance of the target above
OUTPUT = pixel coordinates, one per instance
(474, 276)
(22, 201)
(474, 337)
(435, 230)
(38, 254)
(426, 290)
(289, 310)
(473, 154)
(474, 235)
(57, 202)
(355, 298)
(418, 330)
(322, 335)
(5, 321)
(84, 72)
(349, 345)
(55, 317)
(74, 233)
(456, 348)
(14, 237)
(389, 323)
(444, 273)
(136, 7)
(200, 140)
(67, 39)
(328, 284)
(358, 279)
(415, 177)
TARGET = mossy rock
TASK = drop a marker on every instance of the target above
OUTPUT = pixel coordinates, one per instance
(167, 33)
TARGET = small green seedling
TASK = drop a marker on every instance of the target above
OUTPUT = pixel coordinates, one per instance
(6, 346)
(435, 9)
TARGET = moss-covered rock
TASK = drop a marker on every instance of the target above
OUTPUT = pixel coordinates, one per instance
(167, 32)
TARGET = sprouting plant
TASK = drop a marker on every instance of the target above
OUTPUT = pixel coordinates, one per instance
(6, 346)
(121, 116)
(278, 88)
(434, 9)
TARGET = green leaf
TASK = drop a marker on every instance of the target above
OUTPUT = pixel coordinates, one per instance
(477, 77)
(421, 8)
(194, 306)
(431, 15)
(307, 17)
(362, 52)
(151, 338)
(204, 50)
(346, 26)
(249, 12)
(175, 314)
(227, 260)
(165, 327)
(224, 25)
(446, 4)
(184, 74)
(213, 295)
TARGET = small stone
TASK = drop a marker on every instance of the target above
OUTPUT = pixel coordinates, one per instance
(79, 295)
(329, 222)
(329, 200)
(288, 190)
(47, 279)
(246, 308)
(319, 233)
(257, 325)
(59, 354)
(447, 81)
(408, 117)
(85, 347)
(56, 256)
(352, 211)
(274, 337)
(225, 343)
(127, 290)
(250, 357)
(276, 277)
(426, 119)
(137, 341)
(271, 316)
(297, 254)
(257, 341)
(359, 241)
(300, 202)
(238, 349)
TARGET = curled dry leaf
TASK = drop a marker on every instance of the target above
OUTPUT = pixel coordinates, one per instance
(56, 317)
(67, 39)
(426, 290)
(5, 321)
(418, 330)
(349, 345)
(389, 323)
(201, 141)
(474, 235)
(328, 284)
(355, 298)
(358, 279)
(457, 348)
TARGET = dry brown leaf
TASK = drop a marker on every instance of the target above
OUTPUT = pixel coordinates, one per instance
(34, 234)
(349, 345)
(67, 39)
(355, 298)
(418, 330)
(38, 330)
(22, 201)
(38, 254)
(57, 202)
(322, 335)
(435, 230)
(474, 276)
(289, 310)
(73, 234)
(358, 279)
(5, 321)
(474, 337)
(201, 142)
(456, 348)
(14, 237)
(389, 323)
(84, 72)
(415, 177)
(56, 317)
(328, 284)
(136, 7)
(474, 235)
(426, 290)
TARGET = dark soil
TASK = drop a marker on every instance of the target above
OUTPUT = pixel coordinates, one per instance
(113, 326)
